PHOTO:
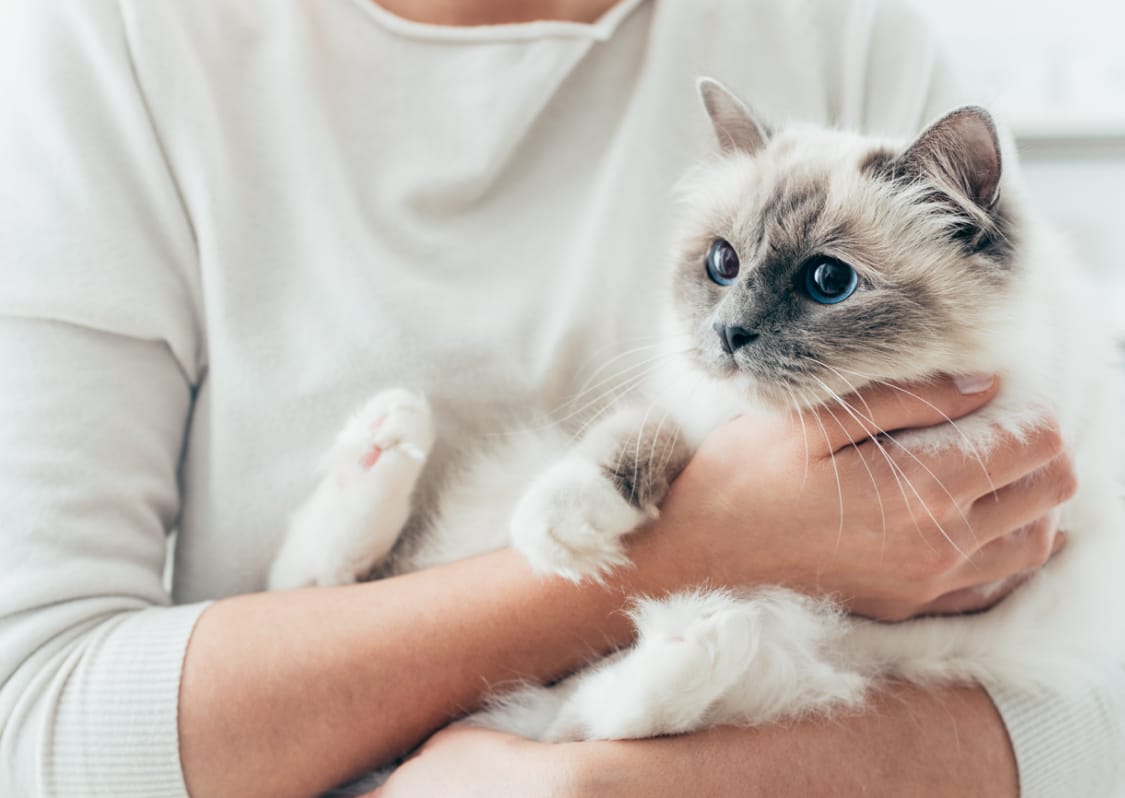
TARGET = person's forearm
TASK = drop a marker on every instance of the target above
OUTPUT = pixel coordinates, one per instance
(907, 741)
(289, 693)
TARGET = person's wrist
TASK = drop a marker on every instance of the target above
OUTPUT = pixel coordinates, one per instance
(664, 559)
(597, 769)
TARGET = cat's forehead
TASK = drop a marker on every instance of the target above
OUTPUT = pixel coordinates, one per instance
(806, 164)
(799, 168)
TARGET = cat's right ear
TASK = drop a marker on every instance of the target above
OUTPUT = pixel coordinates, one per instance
(960, 150)
(734, 122)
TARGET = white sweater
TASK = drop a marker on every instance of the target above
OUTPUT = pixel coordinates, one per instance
(223, 224)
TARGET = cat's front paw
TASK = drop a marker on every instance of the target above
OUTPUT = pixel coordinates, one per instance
(690, 651)
(357, 510)
(571, 521)
(396, 421)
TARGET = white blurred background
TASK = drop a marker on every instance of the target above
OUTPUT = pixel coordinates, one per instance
(1055, 71)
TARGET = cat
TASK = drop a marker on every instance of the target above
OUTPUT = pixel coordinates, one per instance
(811, 262)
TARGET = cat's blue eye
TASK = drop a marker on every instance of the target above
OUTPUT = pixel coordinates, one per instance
(722, 262)
(829, 281)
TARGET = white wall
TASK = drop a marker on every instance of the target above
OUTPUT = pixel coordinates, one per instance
(1055, 72)
(1048, 65)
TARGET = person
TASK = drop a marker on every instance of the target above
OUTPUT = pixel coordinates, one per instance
(222, 225)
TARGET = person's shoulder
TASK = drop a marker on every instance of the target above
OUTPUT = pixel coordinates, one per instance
(24, 24)
(55, 51)
(873, 65)
(787, 22)
(854, 63)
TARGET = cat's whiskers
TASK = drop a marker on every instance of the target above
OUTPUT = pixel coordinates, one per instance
(603, 405)
(970, 447)
(656, 438)
(899, 476)
(607, 399)
(603, 401)
(836, 472)
(637, 452)
(895, 469)
(871, 420)
(606, 364)
(614, 393)
(613, 378)
(867, 468)
(795, 407)
(872, 436)
(677, 430)
(670, 450)
(874, 432)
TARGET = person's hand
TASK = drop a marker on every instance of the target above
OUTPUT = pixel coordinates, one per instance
(813, 503)
(469, 762)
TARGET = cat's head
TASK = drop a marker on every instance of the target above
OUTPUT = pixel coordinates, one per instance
(816, 260)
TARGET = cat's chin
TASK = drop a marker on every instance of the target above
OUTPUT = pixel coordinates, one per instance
(757, 389)
(754, 393)
(771, 395)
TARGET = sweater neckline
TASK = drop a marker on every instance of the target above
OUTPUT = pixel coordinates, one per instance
(599, 30)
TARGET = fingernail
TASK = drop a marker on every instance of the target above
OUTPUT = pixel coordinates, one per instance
(974, 383)
(1059, 543)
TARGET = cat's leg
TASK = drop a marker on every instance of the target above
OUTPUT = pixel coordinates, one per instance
(526, 711)
(710, 658)
(572, 517)
(356, 512)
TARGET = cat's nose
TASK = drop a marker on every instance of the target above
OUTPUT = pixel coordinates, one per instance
(733, 338)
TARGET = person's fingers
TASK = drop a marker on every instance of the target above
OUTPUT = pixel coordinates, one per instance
(886, 407)
(1022, 553)
(951, 481)
(1025, 549)
(1022, 502)
(975, 599)
(1011, 459)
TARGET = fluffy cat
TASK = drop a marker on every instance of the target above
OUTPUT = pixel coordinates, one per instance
(812, 262)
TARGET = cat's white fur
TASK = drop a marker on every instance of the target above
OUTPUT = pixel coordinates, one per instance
(711, 657)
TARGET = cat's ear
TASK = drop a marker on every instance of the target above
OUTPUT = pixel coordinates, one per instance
(960, 150)
(735, 126)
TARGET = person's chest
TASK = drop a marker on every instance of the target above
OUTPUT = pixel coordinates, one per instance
(487, 226)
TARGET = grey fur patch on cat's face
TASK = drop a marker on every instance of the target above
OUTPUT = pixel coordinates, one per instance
(932, 261)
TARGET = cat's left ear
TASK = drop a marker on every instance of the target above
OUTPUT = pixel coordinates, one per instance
(735, 126)
(962, 151)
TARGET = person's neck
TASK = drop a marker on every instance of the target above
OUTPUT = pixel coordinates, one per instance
(495, 12)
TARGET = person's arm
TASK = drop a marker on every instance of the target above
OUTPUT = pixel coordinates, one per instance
(908, 742)
(99, 347)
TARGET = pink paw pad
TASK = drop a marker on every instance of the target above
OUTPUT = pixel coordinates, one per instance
(372, 456)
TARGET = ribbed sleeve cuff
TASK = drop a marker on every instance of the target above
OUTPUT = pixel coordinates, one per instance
(1068, 743)
(115, 725)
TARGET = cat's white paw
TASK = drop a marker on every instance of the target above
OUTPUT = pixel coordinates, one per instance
(354, 516)
(571, 521)
(669, 683)
(525, 712)
(708, 658)
(395, 421)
